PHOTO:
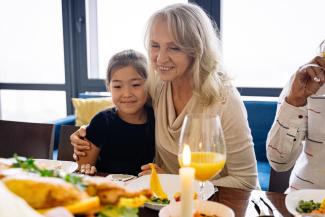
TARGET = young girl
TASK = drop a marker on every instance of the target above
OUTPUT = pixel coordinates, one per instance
(122, 138)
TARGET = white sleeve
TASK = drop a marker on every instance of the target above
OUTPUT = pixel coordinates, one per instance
(284, 141)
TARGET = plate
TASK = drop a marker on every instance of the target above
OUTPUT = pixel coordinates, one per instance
(154, 206)
(294, 197)
(202, 206)
(170, 184)
(65, 166)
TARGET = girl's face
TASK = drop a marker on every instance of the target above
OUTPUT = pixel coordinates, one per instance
(168, 59)
(128, 91)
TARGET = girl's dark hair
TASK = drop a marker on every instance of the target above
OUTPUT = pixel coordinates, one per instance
(127, 58)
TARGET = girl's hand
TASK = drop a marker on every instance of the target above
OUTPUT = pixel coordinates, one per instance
(87, 169)
(308, 79)
(79, 143)
(146, 169)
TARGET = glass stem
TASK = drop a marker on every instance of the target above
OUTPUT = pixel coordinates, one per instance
(201, 193)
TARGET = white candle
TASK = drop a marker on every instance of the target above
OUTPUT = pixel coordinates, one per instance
(187, 177)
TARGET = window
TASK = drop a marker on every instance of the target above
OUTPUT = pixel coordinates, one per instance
(32, 105)
(115, 28)
(264, 42)
(31, 42)
(32, 61)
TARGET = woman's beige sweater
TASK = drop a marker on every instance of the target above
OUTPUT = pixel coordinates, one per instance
(240, 170)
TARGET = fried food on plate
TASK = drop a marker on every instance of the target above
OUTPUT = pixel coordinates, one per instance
(13, 206)
(44, 192)
(111, 193)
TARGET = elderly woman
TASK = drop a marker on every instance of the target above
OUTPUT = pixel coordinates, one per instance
(186, 76)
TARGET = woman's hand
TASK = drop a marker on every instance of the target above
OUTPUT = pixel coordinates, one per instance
(146, 169)
(87, 169)
(79, 143)
(308, 79)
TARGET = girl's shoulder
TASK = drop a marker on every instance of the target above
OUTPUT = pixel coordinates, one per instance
(105, 116)
(109, 112)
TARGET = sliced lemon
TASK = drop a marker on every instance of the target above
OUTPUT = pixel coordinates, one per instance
(155, 185)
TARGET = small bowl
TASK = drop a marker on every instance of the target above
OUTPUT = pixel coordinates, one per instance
(204, 207)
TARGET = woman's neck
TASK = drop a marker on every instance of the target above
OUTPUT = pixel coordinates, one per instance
(182, 92)
(140, 117)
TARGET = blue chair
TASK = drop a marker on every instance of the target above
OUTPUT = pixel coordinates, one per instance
(260, 118)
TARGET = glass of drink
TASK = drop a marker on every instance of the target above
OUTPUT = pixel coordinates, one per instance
(203, 134)
(322, 48)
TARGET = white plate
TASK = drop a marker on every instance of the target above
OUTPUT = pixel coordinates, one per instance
(203, 207)
(65, 166)
(170, 184)
(294, 197)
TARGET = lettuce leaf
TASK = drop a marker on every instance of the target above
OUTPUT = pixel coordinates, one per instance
(113, 211)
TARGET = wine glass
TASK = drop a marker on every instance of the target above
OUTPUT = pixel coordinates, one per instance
(322, 48)
(203, 135)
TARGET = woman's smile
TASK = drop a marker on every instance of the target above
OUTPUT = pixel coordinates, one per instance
(164, 68)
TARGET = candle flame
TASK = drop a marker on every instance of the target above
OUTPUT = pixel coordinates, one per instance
(186, 155)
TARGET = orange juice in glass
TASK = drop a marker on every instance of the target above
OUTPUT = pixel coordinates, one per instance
(206, 164)
(203, 134)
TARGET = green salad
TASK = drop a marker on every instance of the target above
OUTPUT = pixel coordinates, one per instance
(307, 206)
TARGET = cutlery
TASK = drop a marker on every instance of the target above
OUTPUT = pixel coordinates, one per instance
(121, 177)
(267, 205)
(259, 210)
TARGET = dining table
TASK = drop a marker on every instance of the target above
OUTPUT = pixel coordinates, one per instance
(240, 201)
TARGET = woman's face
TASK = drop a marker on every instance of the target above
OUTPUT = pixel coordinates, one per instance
(167, 58)
(128, 90)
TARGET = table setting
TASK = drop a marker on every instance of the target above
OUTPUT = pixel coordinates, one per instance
(202, 156)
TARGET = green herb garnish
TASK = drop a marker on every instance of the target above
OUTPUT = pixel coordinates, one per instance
(30, 166)
(27, 164)
(159, 200)
(73, 179)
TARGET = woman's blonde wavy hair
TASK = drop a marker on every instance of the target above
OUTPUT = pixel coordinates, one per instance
(194, 32)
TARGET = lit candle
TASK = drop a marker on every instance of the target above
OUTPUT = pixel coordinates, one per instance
(187, 176)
